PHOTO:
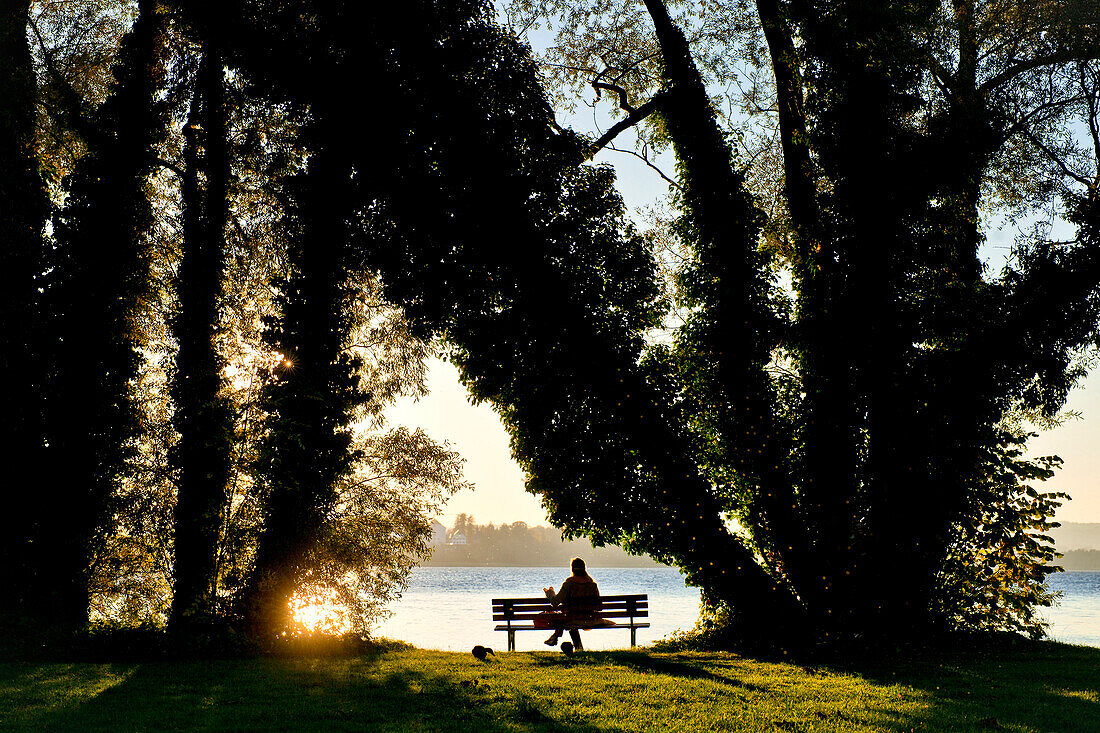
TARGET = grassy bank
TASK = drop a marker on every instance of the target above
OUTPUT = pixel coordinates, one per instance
(1045, 687)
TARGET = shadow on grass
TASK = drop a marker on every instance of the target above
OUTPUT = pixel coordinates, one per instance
(1041, 686)
(672, 665)
(1035, 687)
(281, 694)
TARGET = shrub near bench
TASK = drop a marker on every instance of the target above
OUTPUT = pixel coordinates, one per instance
(518, 614)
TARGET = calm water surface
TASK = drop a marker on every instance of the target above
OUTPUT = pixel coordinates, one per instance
(449, 608)
(1076, 618)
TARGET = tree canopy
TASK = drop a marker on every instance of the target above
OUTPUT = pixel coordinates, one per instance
(276, 210)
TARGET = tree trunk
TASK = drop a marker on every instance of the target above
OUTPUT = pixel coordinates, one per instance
(311, 399)
(98, 281)
(201, 458)
(739, 330)
(793, 134)
(22, 218)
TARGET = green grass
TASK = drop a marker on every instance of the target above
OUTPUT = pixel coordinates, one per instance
(1043, 687)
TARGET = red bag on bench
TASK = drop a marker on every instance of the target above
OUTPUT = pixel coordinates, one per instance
(549, 620)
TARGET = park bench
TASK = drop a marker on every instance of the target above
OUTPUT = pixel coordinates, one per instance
(518, 614)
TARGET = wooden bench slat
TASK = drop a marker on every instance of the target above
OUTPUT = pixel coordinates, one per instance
(532, 614)
(527, 613)
(643, 625)
(511, 610)
(635, 597)
(548, 604)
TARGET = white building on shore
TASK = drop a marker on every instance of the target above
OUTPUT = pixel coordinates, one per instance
(439, 533)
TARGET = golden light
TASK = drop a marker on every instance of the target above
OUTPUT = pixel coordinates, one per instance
(318, 609)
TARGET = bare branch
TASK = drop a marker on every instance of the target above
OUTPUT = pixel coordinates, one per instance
(648, 162)
(1060, 57)
(1056, 159)
(635, 116)
(624, 102)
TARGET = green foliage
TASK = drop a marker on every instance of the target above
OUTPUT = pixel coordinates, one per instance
(853, 422)
(1001, 553)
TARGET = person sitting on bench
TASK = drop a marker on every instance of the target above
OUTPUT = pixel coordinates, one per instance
(579, 598)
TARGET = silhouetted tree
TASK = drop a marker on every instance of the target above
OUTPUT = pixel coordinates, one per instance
(310, 402)
(202, 456)
(98, 277)
(865, 432)
(545, 301)
(22, 220)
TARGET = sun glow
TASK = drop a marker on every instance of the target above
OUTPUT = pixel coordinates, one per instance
(319, 610)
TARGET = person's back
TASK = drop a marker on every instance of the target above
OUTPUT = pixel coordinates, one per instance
(579, 598)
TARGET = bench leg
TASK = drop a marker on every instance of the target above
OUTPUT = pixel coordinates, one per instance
(633, 638)
(511, 640)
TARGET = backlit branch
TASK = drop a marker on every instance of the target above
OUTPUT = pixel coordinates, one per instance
(634, 116)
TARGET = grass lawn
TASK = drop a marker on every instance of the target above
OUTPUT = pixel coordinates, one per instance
(1047, 687)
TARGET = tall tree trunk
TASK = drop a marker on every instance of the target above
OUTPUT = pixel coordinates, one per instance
(794, 138)
(737, 331)
(23, 210)
(201, 458)
(829, 440)
(960, 405)
(310, 402)
(855, 332)
(99, 278)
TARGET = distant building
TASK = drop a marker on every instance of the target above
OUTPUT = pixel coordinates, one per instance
(457, 539)
(439, 533)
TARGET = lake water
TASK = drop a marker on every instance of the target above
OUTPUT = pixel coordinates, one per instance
(1076, 618)
(450, 609)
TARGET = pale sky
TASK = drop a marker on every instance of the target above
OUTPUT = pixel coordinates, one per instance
(498, 495)
(478, 435)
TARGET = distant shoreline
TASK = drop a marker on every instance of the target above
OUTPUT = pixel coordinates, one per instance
(516, 545)
(1082, 561)
(639, 566)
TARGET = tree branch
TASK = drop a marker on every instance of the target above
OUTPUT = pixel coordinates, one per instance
(645, 160)
(943, 77)
(169, 165)
(1061, 57)
(635, 116)
(800, 187)
(624, 103)
(1091, 102)
(1066, 170)
(72, 103)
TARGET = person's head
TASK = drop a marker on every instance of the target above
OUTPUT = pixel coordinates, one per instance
(577, 566)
